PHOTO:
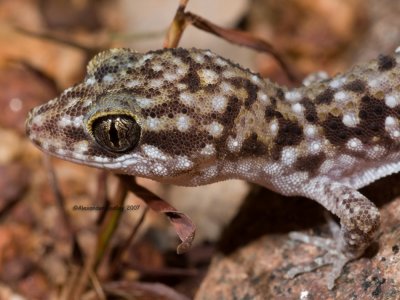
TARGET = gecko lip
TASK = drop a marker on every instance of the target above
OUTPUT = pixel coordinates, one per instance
(28, 124)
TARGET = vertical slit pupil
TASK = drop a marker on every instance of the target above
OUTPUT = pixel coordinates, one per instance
(114, 134)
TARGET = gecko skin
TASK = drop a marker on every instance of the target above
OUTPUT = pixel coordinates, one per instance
(190, 117)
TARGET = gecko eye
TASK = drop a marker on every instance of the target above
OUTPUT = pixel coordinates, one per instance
(116, 133)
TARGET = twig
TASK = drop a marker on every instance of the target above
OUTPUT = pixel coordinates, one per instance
(183, 225)
(106, 231)
(177, 26)
(122, 250)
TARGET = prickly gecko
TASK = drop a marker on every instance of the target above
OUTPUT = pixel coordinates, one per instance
(190, 117)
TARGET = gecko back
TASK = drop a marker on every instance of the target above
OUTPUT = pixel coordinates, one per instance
(190, 117)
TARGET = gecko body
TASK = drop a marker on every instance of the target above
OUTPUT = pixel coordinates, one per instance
(190, 117)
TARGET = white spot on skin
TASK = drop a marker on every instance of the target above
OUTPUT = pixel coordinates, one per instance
(390, 121)
(38, 120)
(233, 144)
(293, 96)
(181, 71)
(183, 163)
(77, 121)
(392, 127)
(341, 96)
(186, 98)
(157, 67)
(376, 152)
(144, 102)
(199, 58)
(229, 74)
(255, 79)
(183, 123)
(354, 144)
(376, 82)
(64, 121)
(392, 100)
(108, 79)
(219, 103)
(170, 76)
(159, 170)
(310, 130)
(274, 127)
(154, 152)
(87, 102)
(263, 97)
(315, 147)
(297, 108)
(81, 147)
(153, 123)
(289, 156)
(337, 82)
(132, 83)
(209, 53)
(226, 87)
(350, 120)
(177, 61)
(208, 76)
(315, 77)
(208, 150)
(67, 90)
(156, 83)
(219, 61)
(215, 129)
(181, 86)
(90, 81)
(147, 57)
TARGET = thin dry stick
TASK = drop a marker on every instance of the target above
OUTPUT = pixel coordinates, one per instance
(97, 286)
(122, 251)
(105, 233)
(102, 195)
(90, 51)
(240, 38)
(183, 225)
(177, 26)
(182, 19)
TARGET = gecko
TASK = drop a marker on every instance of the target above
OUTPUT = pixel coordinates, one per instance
(190, 117)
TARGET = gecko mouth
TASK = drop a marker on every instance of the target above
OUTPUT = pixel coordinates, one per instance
(29, 127)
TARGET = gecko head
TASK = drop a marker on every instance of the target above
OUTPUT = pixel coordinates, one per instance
(141, 114)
